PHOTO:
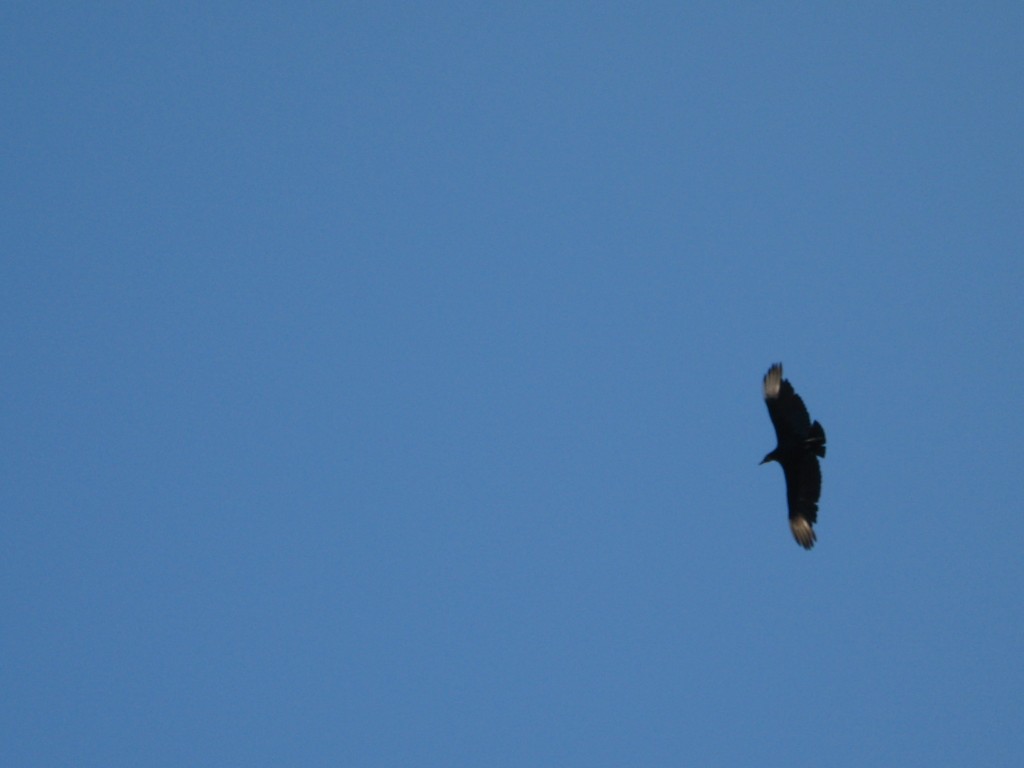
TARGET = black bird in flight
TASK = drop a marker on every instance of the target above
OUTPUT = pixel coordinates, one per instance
(800, 443)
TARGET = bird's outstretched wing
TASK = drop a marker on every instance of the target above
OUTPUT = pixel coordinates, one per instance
(803, 489)
(785, 408)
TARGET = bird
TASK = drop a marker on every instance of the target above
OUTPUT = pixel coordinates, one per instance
(800, 443)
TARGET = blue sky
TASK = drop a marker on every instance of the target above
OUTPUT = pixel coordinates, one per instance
(382, 383)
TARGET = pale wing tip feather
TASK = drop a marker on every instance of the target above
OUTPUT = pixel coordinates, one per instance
(773, 381)
(802, 532)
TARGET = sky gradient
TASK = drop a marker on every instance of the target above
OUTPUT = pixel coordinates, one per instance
(382, 384)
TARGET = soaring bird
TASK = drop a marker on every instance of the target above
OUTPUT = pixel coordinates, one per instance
(800, 443)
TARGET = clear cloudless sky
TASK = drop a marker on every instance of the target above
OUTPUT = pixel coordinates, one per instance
(381, 383)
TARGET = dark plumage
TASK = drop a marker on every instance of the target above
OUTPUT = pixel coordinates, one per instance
(800, 443)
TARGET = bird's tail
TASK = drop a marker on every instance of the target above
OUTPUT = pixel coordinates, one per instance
(816, 439)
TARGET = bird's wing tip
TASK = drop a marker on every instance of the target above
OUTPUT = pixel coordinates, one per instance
(802, 532)
(773, 381)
